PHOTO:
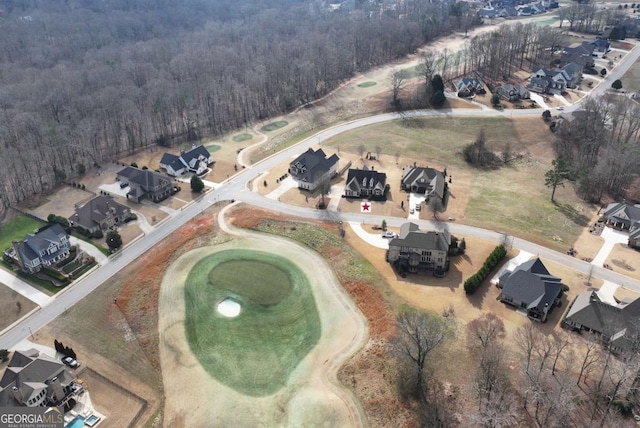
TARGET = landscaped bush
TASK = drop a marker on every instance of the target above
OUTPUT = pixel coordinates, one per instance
(97, 234)
(474, 281)
(53, 274)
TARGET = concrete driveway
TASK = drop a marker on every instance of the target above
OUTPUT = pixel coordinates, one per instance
(374, 239)
(522, 257)
(611, 238)
(24, 289)
(89, 249)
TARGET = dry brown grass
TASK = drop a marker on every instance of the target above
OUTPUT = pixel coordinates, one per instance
(13, 306)
(625, 261)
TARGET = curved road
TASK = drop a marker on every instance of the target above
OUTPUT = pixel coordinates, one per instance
(235, 188)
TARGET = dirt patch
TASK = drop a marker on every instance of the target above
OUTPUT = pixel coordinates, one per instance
(624, 260)
(129, 232)
(13, 306)
(62, 202)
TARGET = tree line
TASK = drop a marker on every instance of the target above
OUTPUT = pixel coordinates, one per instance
(85, 81)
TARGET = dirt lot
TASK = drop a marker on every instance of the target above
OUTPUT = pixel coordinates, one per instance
(625, 260)
(62, 202)
(13, 306)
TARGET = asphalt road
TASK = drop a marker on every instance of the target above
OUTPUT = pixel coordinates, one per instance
(236, 189)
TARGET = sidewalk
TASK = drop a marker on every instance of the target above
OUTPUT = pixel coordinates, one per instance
(24, 289)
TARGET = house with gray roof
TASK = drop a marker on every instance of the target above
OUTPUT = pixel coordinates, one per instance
(145, 184)
(469, 86)
(618, 324)
(555, 81)
(99, 214)
(44, 248)
(514, 92)
(532, 288)
(424, 180)
(624, 217)
(366, 183)
(33, 379)
(312, 168)
(420, 251)
(196, 161)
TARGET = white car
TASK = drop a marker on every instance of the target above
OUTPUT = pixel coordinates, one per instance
(560, 108)
(71, 362)
(388, 234)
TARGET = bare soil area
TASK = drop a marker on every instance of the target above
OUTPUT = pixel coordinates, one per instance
(62, 202)
(625, 260)
(13, 306)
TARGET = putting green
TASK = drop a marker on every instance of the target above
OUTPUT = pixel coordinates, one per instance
(278, 324)
(238, 138)
(274, 125)
(367, 84)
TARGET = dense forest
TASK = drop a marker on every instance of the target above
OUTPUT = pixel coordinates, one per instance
(83, 81)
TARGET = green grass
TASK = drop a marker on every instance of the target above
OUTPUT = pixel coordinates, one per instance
(274, 126)
(238, 138)
(16, 228)
(367, 84)
(263, 283)
(213, 148)
(103, 250)
(547, 22)
(255, 352)
(39, 282)
(413, 72)
(70, 267)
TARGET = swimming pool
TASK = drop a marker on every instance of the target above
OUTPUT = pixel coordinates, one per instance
(77, 422)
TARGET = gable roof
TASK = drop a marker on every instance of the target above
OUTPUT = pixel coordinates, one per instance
(627, 214)
(468, 83)
(195, 153)
(32, 244)
(358, 179)
(172, 161)
(432, 179)
(532, 284)
(313, 164)
(509, 89)
(96, 210)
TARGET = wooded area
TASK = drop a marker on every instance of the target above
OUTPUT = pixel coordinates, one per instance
(85, 81)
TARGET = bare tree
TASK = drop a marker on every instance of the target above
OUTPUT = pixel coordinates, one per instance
(378, 149)
(398, 81)
(419, 333)
(361, 150)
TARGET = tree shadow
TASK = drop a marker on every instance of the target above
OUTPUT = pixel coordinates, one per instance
(451, 280)
(572, 214)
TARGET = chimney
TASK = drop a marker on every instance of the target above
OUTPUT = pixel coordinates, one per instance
(56, 387)
(17, 395)
(16, 248)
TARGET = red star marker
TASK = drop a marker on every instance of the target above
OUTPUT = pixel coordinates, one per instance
(365, 207)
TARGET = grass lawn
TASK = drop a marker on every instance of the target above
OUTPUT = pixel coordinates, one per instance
(16, 228)
(513, 199)
(367, 84)
(274, 126)
(238, 138)
(255, 352)
(631, 79)
(104, 250)
(43, 284)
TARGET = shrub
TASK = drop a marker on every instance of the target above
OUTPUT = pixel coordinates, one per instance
(474, 281)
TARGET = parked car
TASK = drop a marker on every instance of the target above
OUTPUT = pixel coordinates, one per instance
(123, 184)
(389, 234)
(418, 206)
(71, 362)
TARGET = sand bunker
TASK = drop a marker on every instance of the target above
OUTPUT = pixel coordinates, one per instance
(229, 308)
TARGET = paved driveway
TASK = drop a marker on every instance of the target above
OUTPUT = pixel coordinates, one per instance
(26, 290)
(611, 238)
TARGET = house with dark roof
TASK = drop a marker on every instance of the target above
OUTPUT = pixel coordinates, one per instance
(366, 183)
(619, 324)
(33, 379)
(44, 248)
(555, 81)
(145, 184)
(511, 92)
(312, 168)
(532, 288)
(423, 180)
(100, 213)
(196, 161)
(469, 86)
(418, 251)
(600, 47)
(624, 217)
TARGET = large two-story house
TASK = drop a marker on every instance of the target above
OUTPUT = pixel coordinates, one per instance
(313, 168)
(532, 288)
(617, 323)
(414, 250)
(555, 81)
(366, 183)
(144, 183)
(196, 161)
(33, 379)
(469, 86)
(100, 213)
(41, 249)
(424, 180)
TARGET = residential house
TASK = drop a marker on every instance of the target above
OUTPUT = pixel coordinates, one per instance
(415, 250)
(44, 248)
(196, 161)
(511, 92)
(366, 183)
(100, 213)
(490, 13)
(313, 168)
(33, 379)
(532, 288)
(617, 323)
(145, 184)
(468, 87)
(555, 81)
(624, 217)
(425, 181)
(600, 47)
